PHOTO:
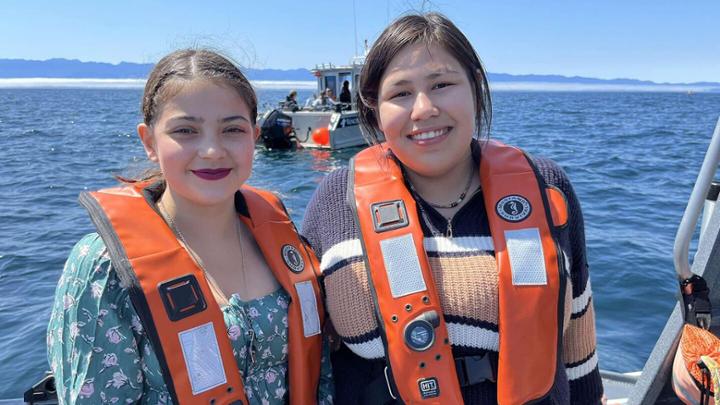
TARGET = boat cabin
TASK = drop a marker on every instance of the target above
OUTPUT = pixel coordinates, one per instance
(331, 77)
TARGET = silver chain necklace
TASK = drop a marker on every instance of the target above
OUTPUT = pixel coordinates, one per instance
(164, 213)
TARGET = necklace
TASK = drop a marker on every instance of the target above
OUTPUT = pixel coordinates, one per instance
(219, 295)
(453, 204)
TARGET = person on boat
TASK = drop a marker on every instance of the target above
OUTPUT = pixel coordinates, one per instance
(330, 96)
(345, 96)
(331, 100)
(454, 266)
(321, 101)
(325, 101)
(196, 287)
(291, 101)
(310, 101)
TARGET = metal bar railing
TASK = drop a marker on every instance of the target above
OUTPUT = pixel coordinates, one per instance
(695, 204)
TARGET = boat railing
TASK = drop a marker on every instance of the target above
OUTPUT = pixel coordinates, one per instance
(653, 385)
(686, 230)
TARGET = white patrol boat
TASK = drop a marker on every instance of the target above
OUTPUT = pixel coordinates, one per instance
(325, 123)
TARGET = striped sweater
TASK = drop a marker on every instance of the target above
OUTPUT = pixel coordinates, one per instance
(464, 270)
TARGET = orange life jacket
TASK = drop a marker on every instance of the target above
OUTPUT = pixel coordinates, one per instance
(523, 214)
(174, 301)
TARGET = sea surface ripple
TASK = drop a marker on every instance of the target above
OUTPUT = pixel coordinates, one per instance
(632, 158)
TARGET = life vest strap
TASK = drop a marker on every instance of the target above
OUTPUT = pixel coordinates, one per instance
(471, 370)
(696, 300)
(379, 391)
(475, 369)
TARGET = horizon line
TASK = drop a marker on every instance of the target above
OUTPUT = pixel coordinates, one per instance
(98, 83)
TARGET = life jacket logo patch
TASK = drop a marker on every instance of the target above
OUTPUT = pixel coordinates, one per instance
(293, 259)
(429, 387)
(513, 208)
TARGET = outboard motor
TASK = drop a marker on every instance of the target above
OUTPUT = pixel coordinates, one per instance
(277, 131)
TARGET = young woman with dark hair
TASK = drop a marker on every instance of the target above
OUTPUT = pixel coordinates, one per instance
(454, 266)
(196, 287)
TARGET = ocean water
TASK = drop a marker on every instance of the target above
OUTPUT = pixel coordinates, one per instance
(632, 158)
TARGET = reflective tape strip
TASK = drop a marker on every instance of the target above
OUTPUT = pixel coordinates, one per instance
(308, 307)
(527, 261)
(402, 265)
(202, 358)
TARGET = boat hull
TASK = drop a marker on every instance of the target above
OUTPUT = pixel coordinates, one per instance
(343, 128)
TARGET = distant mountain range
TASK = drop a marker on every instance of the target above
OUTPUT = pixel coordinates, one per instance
(75, 69)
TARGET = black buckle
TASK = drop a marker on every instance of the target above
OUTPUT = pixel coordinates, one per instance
(388, 215)
(475, 369)
(182, 297)
(696, 300)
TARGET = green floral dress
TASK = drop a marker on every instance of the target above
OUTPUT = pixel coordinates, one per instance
(100, 354)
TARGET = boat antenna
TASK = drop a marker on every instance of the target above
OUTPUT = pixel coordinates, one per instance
(355, 27)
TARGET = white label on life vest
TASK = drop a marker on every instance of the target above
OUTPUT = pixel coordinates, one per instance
(527, 262)
(202, 358)
(402, 265)
(308, 307)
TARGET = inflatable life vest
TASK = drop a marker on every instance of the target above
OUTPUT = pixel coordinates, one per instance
(523, 219)
(696, 368)
(173, 299)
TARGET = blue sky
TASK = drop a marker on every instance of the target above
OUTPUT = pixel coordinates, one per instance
(661, 40)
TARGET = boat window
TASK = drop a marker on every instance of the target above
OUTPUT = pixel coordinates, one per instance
(331, 83)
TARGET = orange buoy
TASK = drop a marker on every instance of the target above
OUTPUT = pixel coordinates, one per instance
(321, 136)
